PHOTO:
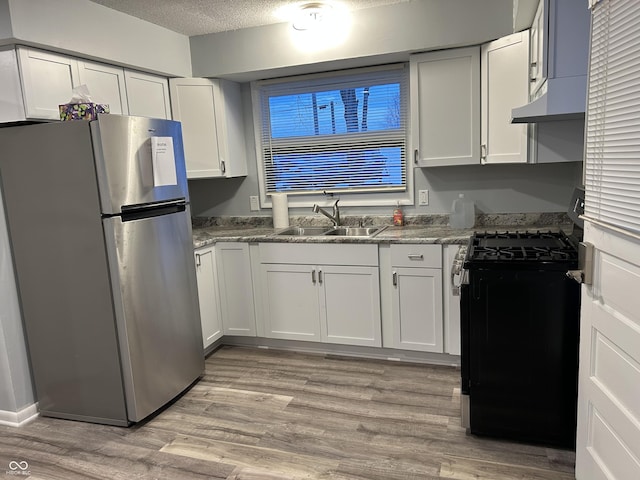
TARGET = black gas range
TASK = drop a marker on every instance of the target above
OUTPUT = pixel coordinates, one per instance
(519, 326)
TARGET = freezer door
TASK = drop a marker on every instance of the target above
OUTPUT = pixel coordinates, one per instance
(139, 160)
(157, 313)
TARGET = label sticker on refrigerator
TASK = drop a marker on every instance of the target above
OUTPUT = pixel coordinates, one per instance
(164, 162)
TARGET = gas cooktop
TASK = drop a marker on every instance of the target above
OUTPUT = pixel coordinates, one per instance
(524, 246)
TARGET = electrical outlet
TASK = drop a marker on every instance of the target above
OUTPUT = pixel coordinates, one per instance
(255, 204)
(423, 197)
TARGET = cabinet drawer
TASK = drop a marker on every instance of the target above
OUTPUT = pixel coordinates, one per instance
(416, 256)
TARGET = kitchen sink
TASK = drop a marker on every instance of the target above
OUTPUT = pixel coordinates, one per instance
(330, 231)
(354, 231)
(303, 231)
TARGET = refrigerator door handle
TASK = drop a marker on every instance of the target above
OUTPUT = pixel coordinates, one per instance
(154, 210)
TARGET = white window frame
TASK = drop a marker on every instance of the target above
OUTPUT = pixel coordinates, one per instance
(361, 198)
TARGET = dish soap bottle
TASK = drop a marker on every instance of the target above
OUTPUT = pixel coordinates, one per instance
(463, 213)
(398, 218)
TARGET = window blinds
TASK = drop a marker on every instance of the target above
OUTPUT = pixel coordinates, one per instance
(612, 161)
(336, 132)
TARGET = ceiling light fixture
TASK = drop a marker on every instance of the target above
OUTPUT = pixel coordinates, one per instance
(311, 15)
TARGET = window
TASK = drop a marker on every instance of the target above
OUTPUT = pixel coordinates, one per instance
(612, 168)
(334, 133)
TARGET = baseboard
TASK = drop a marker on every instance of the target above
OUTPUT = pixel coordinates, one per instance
(20, 418)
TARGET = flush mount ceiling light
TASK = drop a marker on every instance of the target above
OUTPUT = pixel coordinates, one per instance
(311, 15)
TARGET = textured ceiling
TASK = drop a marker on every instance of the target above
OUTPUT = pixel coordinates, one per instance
(199, 17)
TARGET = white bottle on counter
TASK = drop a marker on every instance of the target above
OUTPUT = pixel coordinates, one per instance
(463, 213)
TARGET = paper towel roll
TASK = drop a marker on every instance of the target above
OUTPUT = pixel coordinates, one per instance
(280, 210)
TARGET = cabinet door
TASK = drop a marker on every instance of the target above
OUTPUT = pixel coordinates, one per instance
(445, 107)
(538, 60)
(236, 288)
(106, 85)
(194, 104)
(505, 85)
(208, 295)
(11, 103)
(417, 309)
(290, 302)
(350, 305)
(147, 95)
(48, 82)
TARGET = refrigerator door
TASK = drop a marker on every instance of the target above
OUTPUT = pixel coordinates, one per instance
(139, 160)
(156, 303)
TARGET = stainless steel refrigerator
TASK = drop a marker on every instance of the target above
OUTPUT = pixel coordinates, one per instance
(100, 230)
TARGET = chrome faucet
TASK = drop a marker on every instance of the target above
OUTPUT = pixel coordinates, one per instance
(335, 218)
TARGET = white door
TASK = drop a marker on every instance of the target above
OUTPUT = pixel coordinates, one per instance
(608, 435)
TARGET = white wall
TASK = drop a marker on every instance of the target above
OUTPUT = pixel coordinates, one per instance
(378, 35)
(86, 29)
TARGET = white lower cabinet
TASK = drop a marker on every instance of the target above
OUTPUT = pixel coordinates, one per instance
(415, 281)
(208, 295)
(236, 288)
(290, 302)
(320, 292)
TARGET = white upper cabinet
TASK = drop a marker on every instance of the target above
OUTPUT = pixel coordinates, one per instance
(105, 84)
(11, 103)
(505, 85)
(210, 111)
(445, 107)
(48, 80)
(147, 95)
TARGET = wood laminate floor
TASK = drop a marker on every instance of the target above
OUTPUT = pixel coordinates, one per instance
(270, 415)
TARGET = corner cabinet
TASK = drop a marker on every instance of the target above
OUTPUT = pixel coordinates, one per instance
(416, 298)
(505, 85)
(212, 126)
(445, 107)
(208, 295)
(321, 292)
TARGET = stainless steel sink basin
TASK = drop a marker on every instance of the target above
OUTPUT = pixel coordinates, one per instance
(303, 231)
(354, 231)
(330, 231)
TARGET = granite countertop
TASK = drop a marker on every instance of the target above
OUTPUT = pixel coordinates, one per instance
(409, 234)
(428, 229)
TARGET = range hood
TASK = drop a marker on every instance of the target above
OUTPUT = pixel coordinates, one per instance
(564, 99)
